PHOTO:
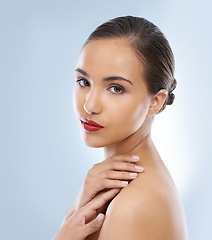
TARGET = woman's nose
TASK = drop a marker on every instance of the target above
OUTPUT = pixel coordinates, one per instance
(92, 104)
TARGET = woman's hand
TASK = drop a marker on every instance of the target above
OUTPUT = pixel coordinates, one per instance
(76, 226)
(114, 172)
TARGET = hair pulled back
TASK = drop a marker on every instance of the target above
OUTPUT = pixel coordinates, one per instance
(151, 47)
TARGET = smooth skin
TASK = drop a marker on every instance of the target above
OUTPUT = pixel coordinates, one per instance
(111, 90)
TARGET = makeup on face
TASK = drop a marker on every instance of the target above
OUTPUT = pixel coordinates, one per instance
(90, 125)
(110, 90)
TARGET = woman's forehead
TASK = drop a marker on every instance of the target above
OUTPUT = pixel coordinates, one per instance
(109, 55)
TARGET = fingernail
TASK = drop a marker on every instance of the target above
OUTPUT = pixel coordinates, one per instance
(124, 183)
(135, 157)
(100, 218)
(139, 168)
(134, 175)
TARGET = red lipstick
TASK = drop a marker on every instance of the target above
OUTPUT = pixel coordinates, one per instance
(90, 125)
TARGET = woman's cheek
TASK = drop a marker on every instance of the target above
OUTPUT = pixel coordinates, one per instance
(136, 114)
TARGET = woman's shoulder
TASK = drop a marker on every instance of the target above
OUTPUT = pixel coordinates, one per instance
(149, 208)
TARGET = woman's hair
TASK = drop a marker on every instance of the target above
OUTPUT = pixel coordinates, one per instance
(151, 47)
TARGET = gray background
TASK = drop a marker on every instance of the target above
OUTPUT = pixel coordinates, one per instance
(42, 159)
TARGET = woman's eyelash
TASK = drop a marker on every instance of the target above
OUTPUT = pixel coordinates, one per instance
(82, 82)
(117, 89)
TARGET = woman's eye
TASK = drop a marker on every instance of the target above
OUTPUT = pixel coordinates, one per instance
(116, 89)
(83, 82)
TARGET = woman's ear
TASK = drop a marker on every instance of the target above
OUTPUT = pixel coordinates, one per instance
(157, 102)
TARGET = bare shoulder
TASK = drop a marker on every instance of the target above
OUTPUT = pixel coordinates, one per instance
(148, 209)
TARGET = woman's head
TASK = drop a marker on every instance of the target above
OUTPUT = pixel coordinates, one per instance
(151, 47)
(122, 80)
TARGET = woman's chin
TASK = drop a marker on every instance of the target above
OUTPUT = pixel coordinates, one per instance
(93, 145)
(96, 142)
(91, 142)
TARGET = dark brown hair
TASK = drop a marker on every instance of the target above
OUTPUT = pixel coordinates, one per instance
(150, 45)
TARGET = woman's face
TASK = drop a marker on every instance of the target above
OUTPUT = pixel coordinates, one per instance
(110, 90)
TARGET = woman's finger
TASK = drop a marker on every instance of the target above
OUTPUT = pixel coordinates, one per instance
(124, 158)
(114, 165)
(119, 175)
(90, 209)
(97, 202)
(123, 166)
(107, 184)
(94, 225)
(115, 179)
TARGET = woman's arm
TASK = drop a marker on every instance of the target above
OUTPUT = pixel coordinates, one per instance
(76, 227)
(114, 172)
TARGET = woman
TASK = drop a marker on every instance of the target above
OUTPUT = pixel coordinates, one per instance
(124, 77)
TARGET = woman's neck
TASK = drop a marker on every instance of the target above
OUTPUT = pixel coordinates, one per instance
(135, 143)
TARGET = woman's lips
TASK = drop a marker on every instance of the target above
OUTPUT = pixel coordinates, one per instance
(90, 125)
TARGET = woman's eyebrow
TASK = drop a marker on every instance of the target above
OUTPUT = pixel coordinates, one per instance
(117, 78)
(82, 72)
(112, 78)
